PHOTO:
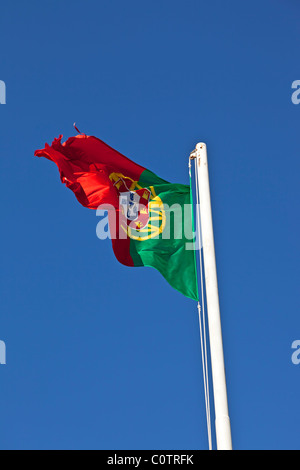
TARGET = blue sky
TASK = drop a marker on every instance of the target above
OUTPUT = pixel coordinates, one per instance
(100, 356)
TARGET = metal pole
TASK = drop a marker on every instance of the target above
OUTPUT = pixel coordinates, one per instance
(223, 429)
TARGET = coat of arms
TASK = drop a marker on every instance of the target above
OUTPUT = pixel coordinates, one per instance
(135, 206)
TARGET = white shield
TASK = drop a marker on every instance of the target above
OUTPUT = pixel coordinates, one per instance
(130, 203)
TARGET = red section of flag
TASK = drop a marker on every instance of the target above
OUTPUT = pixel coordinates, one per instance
(120, 244)
(85, 164)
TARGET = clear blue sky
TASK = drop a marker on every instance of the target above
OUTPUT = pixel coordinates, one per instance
(100, 356)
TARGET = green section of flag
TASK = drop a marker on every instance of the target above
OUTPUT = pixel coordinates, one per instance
(167, 244)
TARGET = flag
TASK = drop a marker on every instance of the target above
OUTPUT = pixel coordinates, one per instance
(150, 219)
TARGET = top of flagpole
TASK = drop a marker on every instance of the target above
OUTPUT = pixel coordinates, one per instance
(200, 146)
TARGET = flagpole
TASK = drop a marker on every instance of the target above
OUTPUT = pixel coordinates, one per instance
(223, 428)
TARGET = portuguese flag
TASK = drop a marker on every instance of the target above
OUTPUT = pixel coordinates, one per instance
(150, 219)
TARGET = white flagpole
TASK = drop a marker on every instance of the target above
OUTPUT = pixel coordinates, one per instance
(223, 429)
